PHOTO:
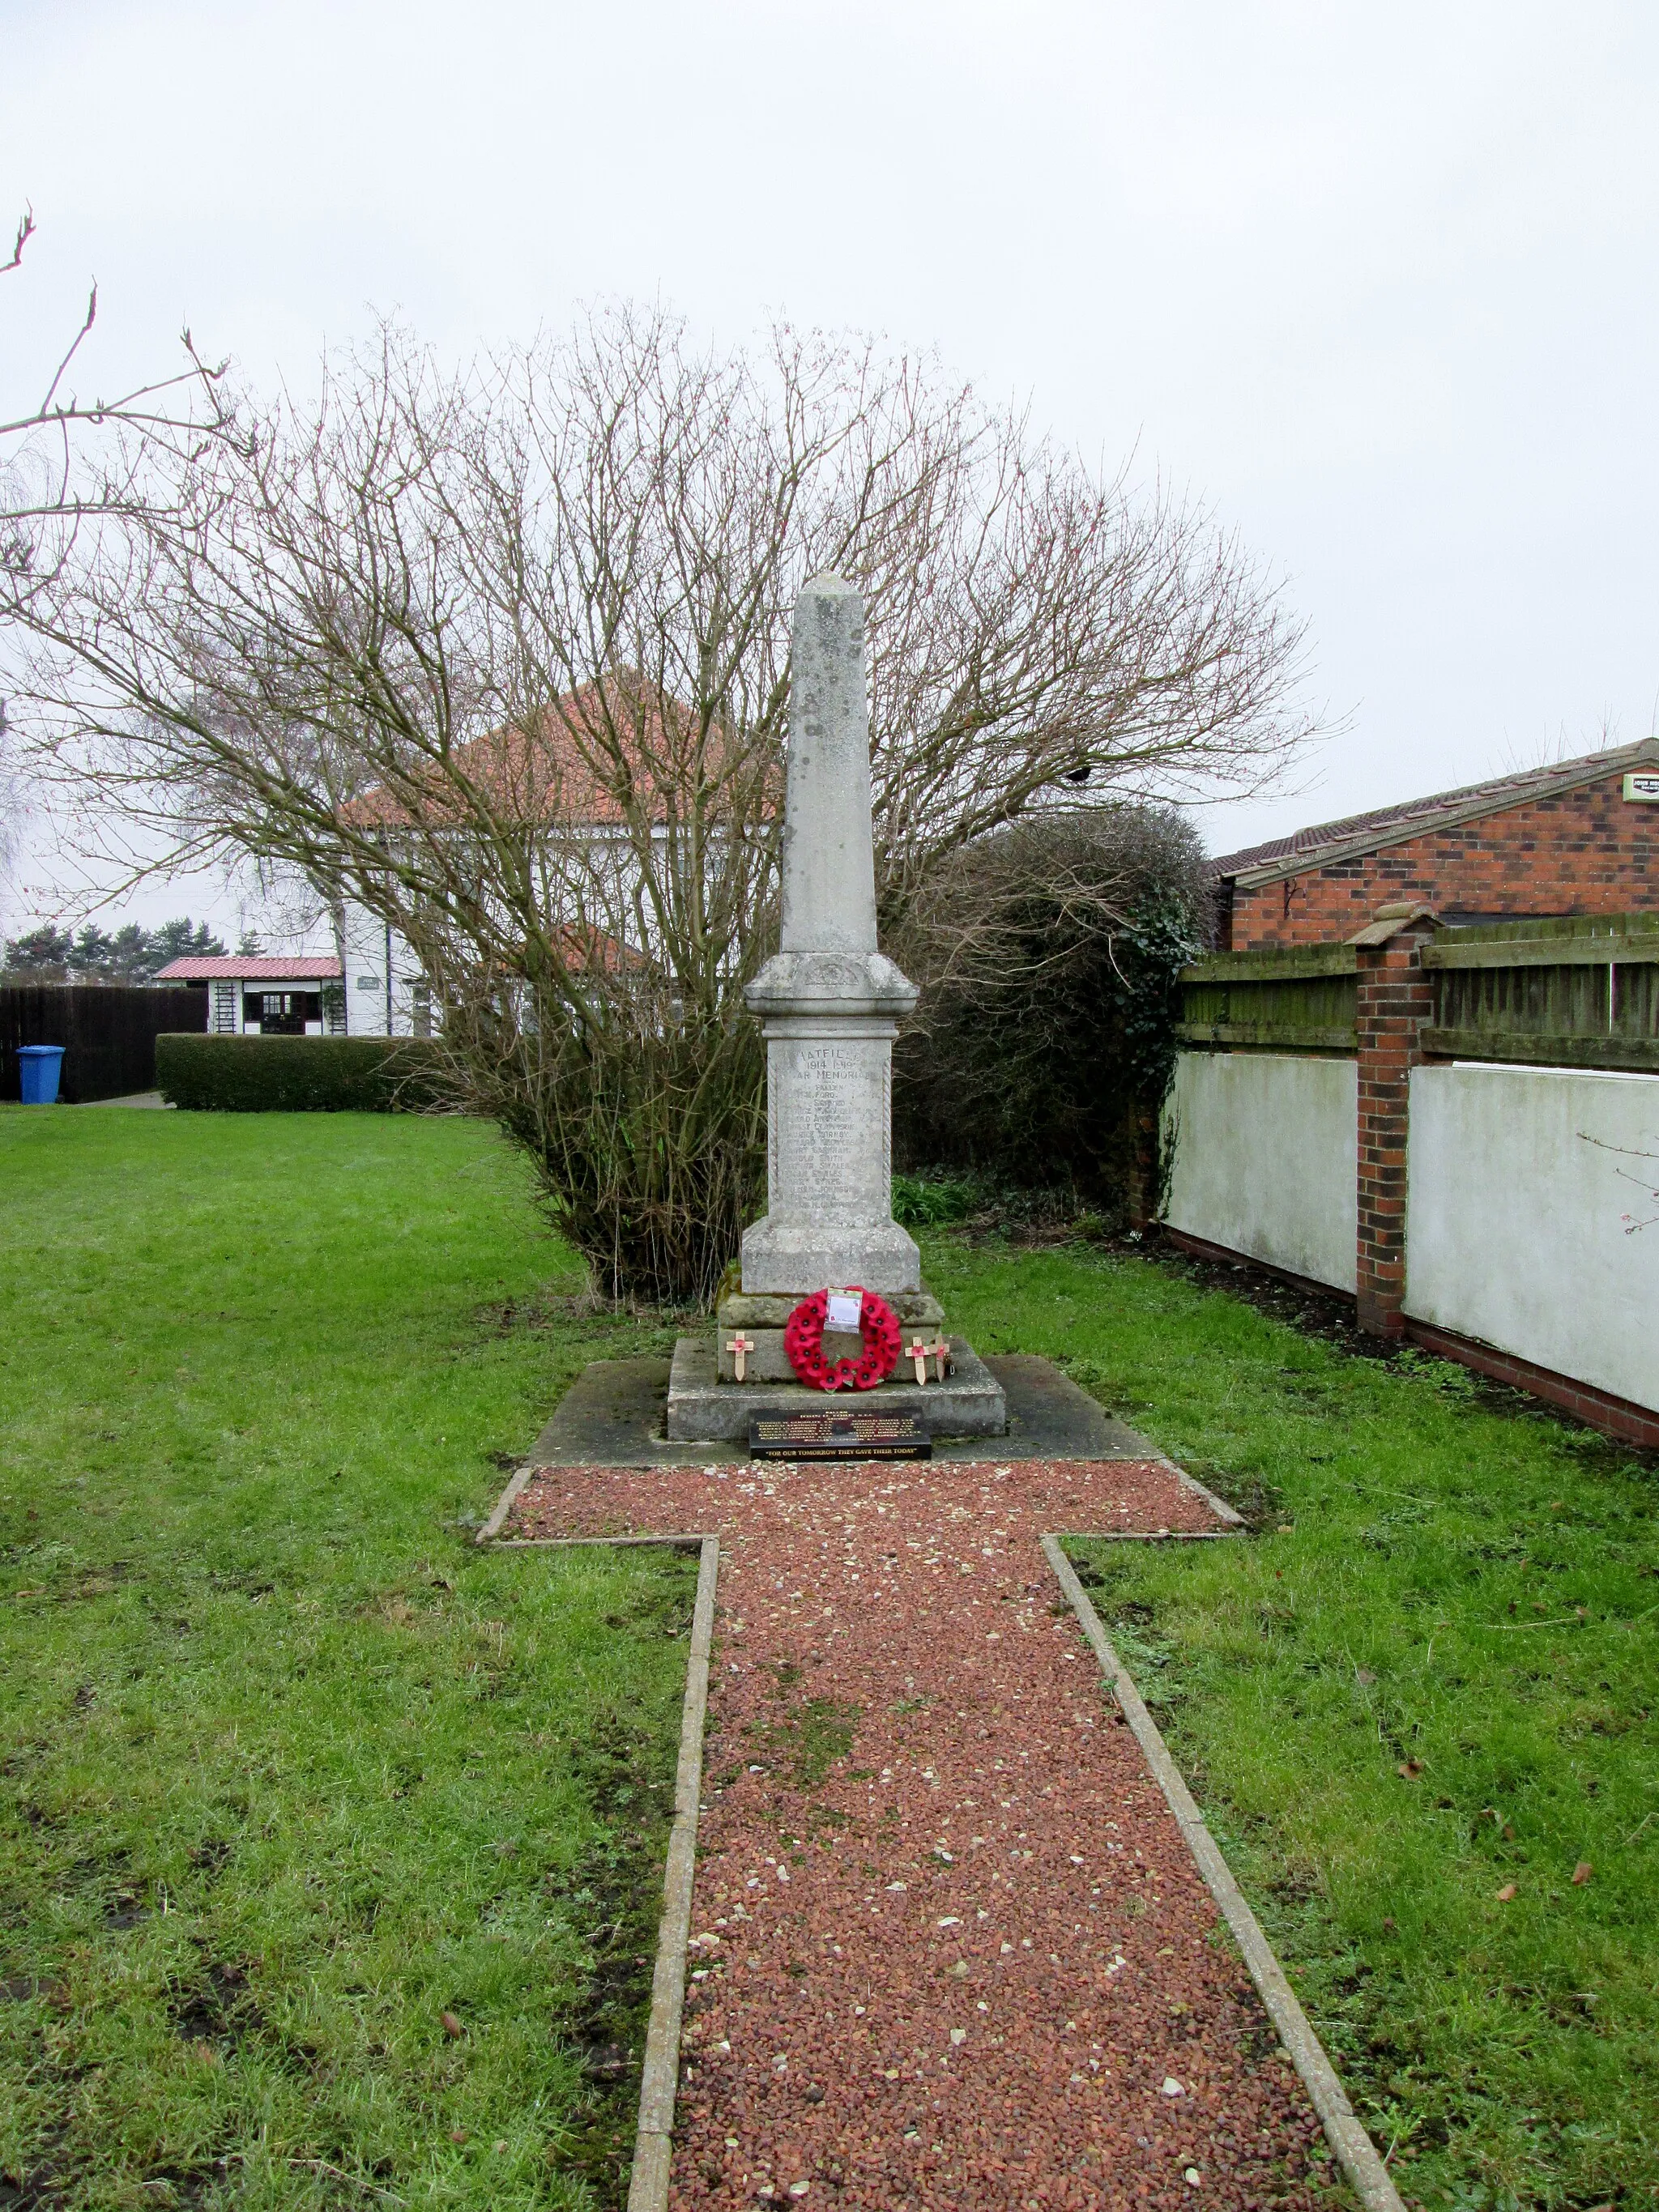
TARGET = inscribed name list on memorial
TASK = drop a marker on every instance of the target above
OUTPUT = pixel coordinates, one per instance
(829, 1096)
(829, 1135)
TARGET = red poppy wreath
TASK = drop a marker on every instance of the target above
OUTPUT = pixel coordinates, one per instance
(878, 1326)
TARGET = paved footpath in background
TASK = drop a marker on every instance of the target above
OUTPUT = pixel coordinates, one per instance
(949, 1948)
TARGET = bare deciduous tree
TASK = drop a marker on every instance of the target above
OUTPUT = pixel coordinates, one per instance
(42, 506)
(502, 656)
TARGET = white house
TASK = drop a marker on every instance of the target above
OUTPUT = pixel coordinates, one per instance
(541, 779)
(385, 993)
(374, 985)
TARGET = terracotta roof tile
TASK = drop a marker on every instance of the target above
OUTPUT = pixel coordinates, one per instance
(538, 773)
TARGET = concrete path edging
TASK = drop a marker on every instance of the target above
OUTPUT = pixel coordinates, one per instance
(1225, 1513)
(653, 2144)
(504, 1504)
(659, 2073)
(1355, 2151)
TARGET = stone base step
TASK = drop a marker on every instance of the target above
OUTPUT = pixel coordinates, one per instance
(765, 1310)
(702, 1409)
(765, 1359)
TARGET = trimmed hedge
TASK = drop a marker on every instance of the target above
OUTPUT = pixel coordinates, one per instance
(297, 1075)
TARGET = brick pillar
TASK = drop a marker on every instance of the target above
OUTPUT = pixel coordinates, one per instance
(1396, 1000)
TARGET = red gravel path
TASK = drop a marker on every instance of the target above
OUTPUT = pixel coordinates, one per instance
(950, 1949)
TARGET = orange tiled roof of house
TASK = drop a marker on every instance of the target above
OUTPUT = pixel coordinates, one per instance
(548, 770)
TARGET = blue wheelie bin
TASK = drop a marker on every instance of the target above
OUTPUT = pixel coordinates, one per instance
(38, 1066)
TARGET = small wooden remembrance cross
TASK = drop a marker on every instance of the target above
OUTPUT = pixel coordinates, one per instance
(918, 1352)
(737, 1345)
(940, 1352)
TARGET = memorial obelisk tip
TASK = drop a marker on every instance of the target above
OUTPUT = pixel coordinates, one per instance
(828, 874)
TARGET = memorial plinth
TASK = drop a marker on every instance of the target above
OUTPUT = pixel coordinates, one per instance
(830, 1004)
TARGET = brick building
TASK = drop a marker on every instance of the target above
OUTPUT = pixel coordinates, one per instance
(1422, 1070)
(1579, 838)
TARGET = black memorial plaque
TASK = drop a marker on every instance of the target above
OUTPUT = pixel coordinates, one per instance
(838, 1435)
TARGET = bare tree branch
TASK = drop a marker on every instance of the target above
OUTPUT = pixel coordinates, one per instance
(26, 227)
(41, 509)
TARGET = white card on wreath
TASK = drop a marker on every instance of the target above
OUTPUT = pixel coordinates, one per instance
(844, 1310)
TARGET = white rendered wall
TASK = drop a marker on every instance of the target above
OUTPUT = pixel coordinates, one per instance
(362, 945)
(1519, 1217)
(1265, 1153)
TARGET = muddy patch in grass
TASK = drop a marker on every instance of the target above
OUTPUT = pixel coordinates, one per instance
(217, 2007)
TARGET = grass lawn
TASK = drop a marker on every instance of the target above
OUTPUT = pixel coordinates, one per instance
(287, 1771)
(1440, 1580)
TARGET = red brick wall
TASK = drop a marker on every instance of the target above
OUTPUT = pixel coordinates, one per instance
(1589, 851)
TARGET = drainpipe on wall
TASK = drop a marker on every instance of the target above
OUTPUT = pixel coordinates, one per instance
(388, 979)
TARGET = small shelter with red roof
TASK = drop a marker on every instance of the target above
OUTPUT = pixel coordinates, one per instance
(282, 994)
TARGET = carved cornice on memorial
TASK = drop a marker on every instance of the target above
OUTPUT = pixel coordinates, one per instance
(842, 982)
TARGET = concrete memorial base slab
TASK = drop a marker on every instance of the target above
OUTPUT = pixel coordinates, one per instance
(615, 1414)
(703, 1409)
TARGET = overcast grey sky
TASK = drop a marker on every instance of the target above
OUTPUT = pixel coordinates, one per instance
(1378, 283)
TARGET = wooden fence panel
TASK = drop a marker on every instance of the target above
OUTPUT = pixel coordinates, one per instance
(1566, 994)
(1574, 993)
(1290, 999)
(108, 1032)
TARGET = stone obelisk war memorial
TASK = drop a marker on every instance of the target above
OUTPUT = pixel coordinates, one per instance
(830, 1004)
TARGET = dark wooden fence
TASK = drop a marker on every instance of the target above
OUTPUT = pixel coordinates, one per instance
(108, 1032)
